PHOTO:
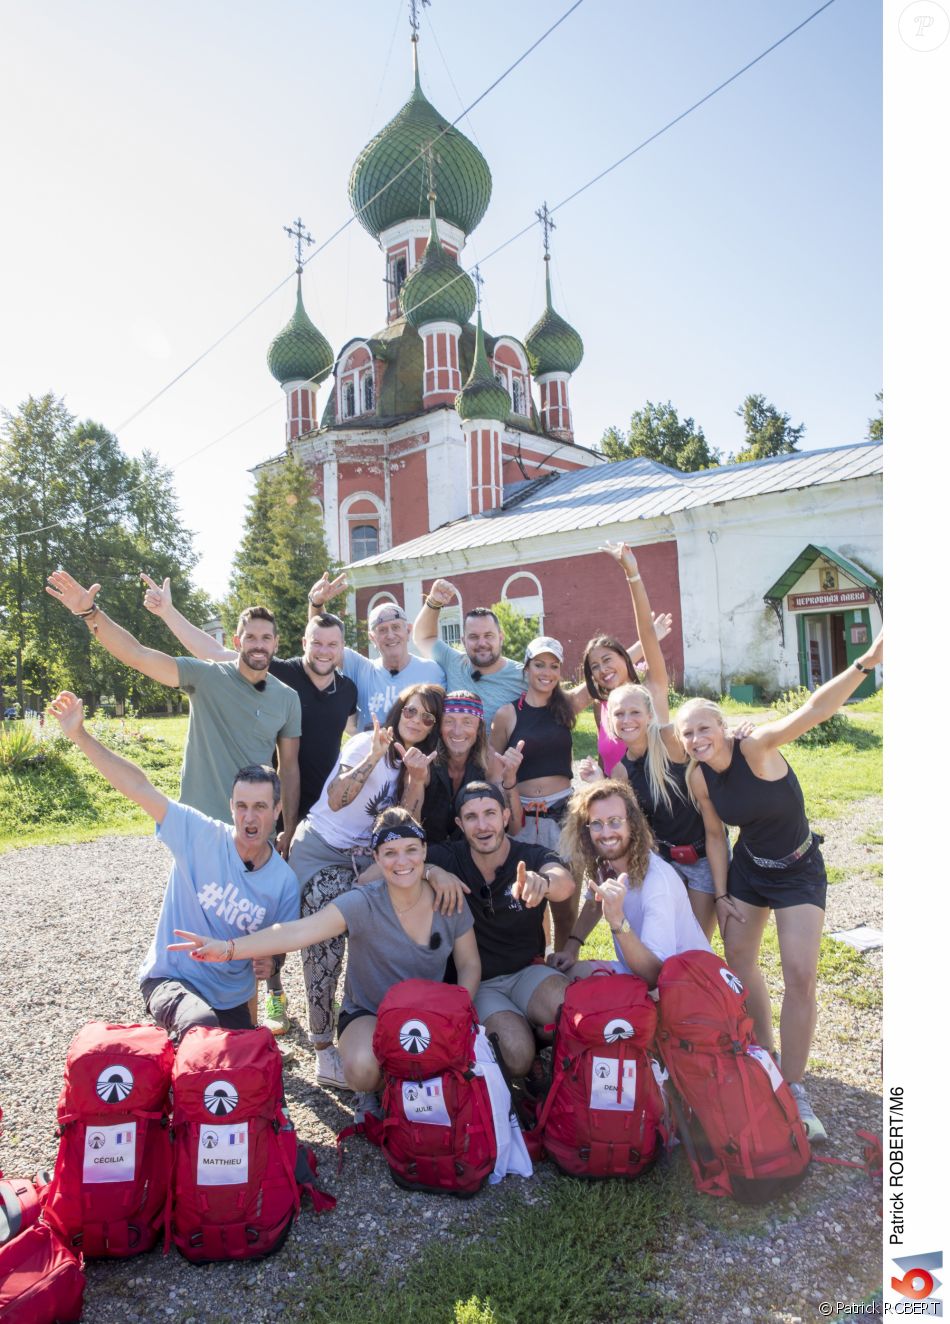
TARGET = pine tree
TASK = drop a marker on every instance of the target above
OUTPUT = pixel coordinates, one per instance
(767, 432)
(657, 433)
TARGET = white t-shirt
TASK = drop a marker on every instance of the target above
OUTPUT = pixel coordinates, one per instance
(352, 826)
(660, 914)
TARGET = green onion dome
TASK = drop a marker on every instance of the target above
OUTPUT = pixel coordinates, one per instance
(482, 396)
(438, 290)
(300, 352)
(552, 344)
(396, 158)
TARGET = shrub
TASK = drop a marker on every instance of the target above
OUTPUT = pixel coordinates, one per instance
(20, 746)
(830, 732)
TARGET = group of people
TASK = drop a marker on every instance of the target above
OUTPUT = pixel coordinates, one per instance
(445, 838)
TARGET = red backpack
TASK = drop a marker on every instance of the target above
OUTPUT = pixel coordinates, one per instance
(438, 1134)
(735, 1115)
(41, 1279)
(110, 1184)
(604, 1113)
(234, 1180)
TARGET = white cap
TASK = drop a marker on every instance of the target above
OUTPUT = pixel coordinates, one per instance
(543, 644)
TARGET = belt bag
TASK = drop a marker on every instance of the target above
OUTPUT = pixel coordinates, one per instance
(686, 854)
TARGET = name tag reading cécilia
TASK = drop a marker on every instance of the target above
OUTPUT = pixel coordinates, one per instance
(222, 1154)
(109, 1153)
(424, 1101)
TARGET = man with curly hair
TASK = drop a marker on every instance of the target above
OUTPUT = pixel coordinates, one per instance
(607, 842)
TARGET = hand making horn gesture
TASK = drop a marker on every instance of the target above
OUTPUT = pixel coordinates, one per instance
(157, 600)
(611, 895)
(326, 588)
(382, 739)
(529, 888)
(416, 763)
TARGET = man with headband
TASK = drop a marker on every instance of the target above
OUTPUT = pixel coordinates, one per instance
(506, 884)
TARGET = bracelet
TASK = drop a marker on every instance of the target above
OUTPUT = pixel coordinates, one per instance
(866, 670)
(312, 603)
(723, 896)
(434, 606)
(574, 938)
(632, 579)
(91, 611)
(616, 932)
(229, 950)
(508, 788)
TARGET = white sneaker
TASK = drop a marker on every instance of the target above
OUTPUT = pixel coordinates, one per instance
(330, 1069)
(816, 1133)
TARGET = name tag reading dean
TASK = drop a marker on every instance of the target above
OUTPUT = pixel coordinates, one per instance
(423, 1101)
(109, 1153)
(222, 1154)
(603, 1085)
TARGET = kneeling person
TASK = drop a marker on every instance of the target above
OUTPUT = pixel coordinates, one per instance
(506, 883)
(227, 879)
(608, 843)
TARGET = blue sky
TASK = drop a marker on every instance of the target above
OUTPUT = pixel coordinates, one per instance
(158, 151)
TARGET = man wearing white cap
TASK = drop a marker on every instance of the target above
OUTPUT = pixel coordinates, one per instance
(379, 681)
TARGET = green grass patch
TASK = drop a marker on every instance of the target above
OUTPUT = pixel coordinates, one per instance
(835, 874)
(63, 798)
(588, 1247)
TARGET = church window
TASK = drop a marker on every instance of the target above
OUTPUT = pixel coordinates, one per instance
(397, 275)
(517, 396)
(349, 400)
(364, 541)
(369, 393)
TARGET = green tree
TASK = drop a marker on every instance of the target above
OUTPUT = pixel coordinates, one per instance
(282, 552)
(518, 630)
(70, 498)
(876, 425)
(657, 433)
(767, 432)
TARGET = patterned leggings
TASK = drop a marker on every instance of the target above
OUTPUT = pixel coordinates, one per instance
(322, 961)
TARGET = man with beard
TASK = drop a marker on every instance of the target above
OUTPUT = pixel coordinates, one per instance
(238, 713)
(505, 883)
(379, 681)
(609, 845)
(494, 678)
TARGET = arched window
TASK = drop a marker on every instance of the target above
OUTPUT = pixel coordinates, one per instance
(349, 400)
(517, 396)
(369, 393)
(364, 541)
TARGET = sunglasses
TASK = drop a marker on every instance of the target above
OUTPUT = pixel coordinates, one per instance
(485, 896)
(606, 825)
(419, 715)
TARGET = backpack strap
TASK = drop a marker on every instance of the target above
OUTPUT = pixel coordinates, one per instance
(305, 1174)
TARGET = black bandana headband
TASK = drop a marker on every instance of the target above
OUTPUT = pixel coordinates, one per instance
(393, 832)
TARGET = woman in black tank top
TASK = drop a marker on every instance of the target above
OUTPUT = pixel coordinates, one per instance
(777, 864)
(655, 766)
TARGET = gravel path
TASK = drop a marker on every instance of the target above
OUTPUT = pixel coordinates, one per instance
(76, 922)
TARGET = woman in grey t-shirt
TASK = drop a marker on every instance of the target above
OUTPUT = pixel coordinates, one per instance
(395, 932)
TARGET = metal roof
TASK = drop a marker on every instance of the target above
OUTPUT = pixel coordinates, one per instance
(629, 490)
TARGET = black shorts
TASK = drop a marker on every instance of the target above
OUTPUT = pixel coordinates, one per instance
(804, 884)
(345, 1018)
(177, 1006)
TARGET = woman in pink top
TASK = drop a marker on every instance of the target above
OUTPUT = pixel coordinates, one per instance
(608, 664)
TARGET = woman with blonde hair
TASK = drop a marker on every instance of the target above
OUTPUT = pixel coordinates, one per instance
(776, 864)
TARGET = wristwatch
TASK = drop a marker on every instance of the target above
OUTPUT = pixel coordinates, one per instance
(622, 927)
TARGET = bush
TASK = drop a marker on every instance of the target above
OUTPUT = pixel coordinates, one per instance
(830, 732)
(20, 746)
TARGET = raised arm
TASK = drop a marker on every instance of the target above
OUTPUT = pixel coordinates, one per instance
(349, 781)
(273, 941)
(323, 590)
(818, 707)
(122, 645)
(656, 680)
(200, 644)
(425, 631)
(126, 777)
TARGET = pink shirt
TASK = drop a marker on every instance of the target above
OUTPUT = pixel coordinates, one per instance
(609, 750)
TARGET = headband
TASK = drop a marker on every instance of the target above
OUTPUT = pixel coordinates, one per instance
(393, 832)
(479, 791)
(464, 701)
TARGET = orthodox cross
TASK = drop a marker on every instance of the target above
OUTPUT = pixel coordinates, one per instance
(547, 225)
(479, 281)
(301, 236)
(415, 7)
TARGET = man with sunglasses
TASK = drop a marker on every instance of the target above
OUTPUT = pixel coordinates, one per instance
(505, 883)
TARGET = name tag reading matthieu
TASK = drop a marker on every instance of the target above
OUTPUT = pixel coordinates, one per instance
(109, 1153)
(423, 1101)
(603, 1085)
(222, 1154)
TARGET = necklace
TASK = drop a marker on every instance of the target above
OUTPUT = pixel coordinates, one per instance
(404, 910)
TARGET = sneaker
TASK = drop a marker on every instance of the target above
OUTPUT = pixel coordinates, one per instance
(816, 1133)
(367, 1105)
(330, 1069)
(275, 1013)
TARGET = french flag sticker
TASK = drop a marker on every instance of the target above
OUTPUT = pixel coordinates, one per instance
(238, 1138)
(123, 1137)
(434, 1091)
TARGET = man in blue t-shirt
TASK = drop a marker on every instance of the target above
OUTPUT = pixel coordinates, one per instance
(496, 679)
(224, 880)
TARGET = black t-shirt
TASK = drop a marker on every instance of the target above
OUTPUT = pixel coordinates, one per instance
(324, 715)
(509, 935)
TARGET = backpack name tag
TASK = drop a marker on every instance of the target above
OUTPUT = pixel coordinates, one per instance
(109, 1153)
(222, 1154)
(767, 1062)
(603, 1085)
(423, 1101)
